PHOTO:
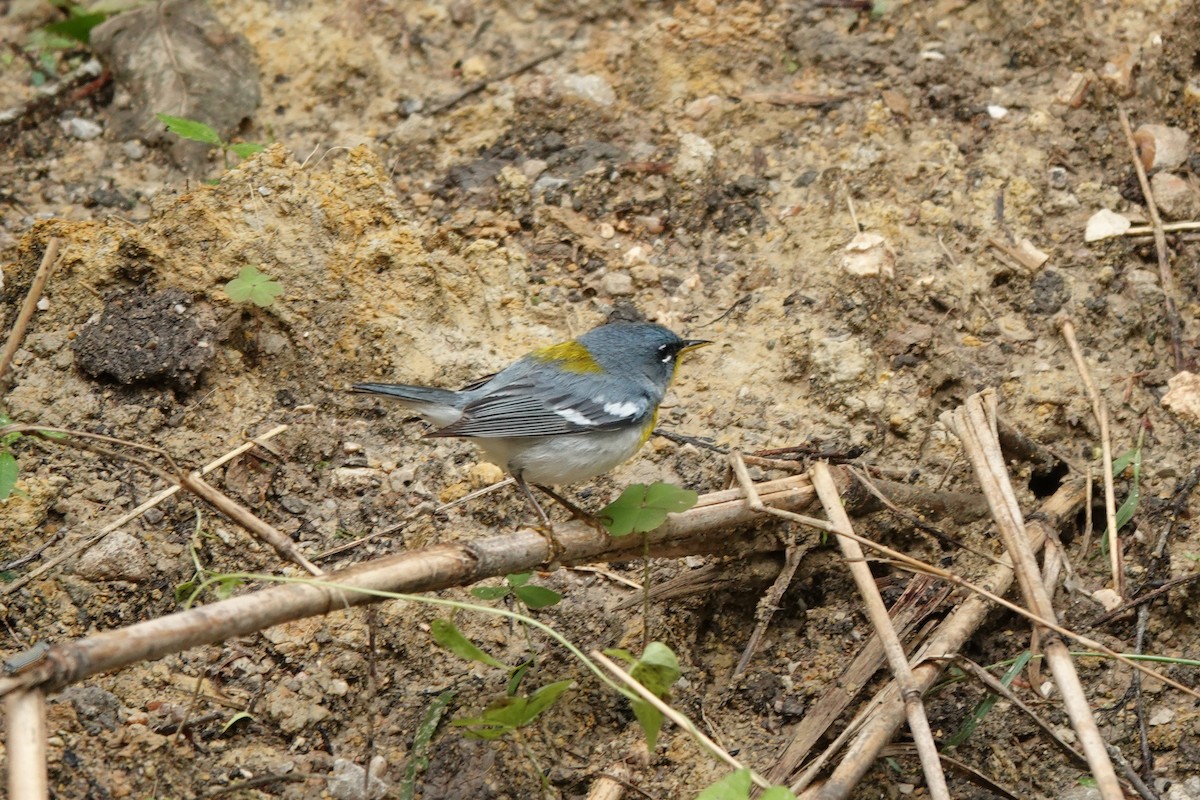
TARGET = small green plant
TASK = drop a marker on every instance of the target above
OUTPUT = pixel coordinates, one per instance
(642, 508)
(253, 286)
(1130, 460)
(518, 587)
(985, 705)
(511, 713)
(657, 670)
(9, 470)
(418, 761)
(195, 131)
(736, 786)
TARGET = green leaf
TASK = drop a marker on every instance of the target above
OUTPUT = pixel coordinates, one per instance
(257, 287)
(657, 669)
(641, 508)
(670, 498)
(490, 592)
(246, 149)
(236, 718)
(8, 474)
(777, 793)
(518, 578)
(419, 760)
(538, 596)
(544, 697)
(985, 705)
(447, 635)
(77, 26)
(514, 680)
(734, 786)
(1122, 462)
(624, 655)
(650, 719)
(190, 129)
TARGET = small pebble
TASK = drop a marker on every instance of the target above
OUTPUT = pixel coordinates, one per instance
(134, 150)
(82, 129)
(617, 284)
(592, 88)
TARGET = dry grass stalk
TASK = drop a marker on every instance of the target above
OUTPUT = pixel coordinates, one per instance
(876, 727)
(877, 613)
(704, 529)
(923, 595)
(128, 517)
(25, 718)
(17, 334)
(1100, 409)
(974, 422)
(1165, 278)
(679, 719)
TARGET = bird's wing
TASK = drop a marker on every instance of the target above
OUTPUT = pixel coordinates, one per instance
(530, 408)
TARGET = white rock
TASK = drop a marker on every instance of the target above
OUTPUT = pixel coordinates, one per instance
(695, 156)
(617, 284)
(347, 781)
(82, 129)
(1174, 196)
(1183, 396)
(1161, 716)
(117, 557)
(592, 88)
(134, 150)
(1161, 146)
(1104, 224)
(869, 254)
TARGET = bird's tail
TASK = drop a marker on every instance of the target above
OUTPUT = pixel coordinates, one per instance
(439, 406)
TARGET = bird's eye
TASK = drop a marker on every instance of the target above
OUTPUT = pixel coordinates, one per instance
(666, 353)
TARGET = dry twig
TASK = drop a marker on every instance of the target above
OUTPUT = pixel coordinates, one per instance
(1165, 277)
(1100, 409)
(25, 718)
(974, 424)
(918, 722)
(49, 258)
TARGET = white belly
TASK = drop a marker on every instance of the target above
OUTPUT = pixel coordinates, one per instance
(561, 460)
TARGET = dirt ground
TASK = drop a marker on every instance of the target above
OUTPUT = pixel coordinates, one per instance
(700, 164)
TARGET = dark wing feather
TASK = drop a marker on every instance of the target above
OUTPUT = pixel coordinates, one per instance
(526, 408)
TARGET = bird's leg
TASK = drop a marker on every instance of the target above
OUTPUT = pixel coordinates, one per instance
(576, 511)
(545, 528)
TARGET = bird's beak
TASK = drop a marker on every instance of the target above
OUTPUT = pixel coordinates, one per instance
(693, 344)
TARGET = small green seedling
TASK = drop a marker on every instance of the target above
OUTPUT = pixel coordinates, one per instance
(8, 462)
(985, 705)
(446, 634)
(736, 786)
(253, 286)
(657, 670)
(509, 714)
(642, 508)
(195, 131)
(418, 760)
(517, 585)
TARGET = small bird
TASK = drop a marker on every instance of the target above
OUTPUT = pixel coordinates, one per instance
(562, 414)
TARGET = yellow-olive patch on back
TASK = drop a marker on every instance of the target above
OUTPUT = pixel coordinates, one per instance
(570, 357)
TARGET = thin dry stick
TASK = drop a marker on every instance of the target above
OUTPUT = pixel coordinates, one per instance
(771, 600)
(1100, 409)
(610, 785)
(974, 422)
(1165, 278)
(49, 258)
(1167, 227)
(920, 598)
(877, 613)
(876, 725)
(673, 715)
(25, 713)
(704, 529)
(247, 519)
(126, 518)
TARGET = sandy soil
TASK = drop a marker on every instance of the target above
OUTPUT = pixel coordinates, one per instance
(659, 164)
